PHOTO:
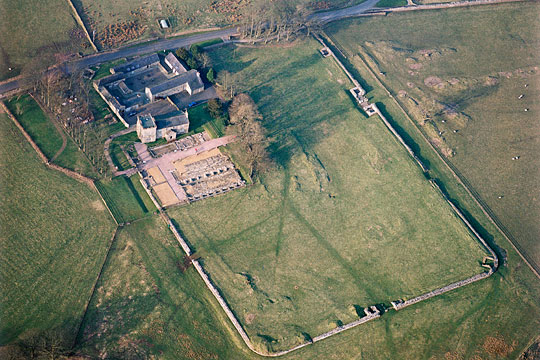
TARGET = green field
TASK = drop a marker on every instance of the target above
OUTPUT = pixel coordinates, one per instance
(55, 233)
(200, 120)
(445, 66)
(145, 304)
(126, 198)
(391, 3)
(345, 219)
(29, 28)
(176, 317)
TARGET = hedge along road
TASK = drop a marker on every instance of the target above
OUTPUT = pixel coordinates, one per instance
(169, 44)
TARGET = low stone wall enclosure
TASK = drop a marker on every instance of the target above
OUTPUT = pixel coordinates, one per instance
(371, 312)
(214, 174)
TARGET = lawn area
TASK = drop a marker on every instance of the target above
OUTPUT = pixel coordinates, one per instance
(391, 3)
(55, 233)
(117, 155)
(200, 120)
(36, 124)
(342, 191)
(145, 304)
(29, 26)
(126, 198)
(452, 68)
(47, 137)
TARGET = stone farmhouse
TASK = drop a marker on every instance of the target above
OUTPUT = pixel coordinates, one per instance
(150, 128)
(151, 94)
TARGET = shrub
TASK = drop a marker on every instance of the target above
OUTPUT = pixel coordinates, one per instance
(215, 108)
(192, 63)
(183, 54)
(196, 50)
(211, 76)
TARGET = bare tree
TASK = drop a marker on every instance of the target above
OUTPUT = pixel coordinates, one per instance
(229, 82)
(245, 122)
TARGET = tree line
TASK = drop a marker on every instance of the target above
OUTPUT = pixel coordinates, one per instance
(68, 97)
(244, 122)
(278, 20)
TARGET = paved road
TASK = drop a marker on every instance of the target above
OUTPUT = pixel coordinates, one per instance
(356, 10)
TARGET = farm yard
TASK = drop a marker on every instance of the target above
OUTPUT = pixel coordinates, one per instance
(259, 244)
(55, 234)
(474, 93)
(44, 27)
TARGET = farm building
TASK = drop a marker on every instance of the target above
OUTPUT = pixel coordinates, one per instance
(189, 82)
(175, 64)
(150, 128)
(155, 85)
(138, 65)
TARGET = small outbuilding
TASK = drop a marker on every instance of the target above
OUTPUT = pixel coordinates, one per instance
(164, 23)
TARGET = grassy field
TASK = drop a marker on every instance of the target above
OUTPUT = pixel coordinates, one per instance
(337, 179)
(493, 319)
(145, 305)
(47, 137)
(444, 66)
(55, 232)
(28, 26)
(126, 198)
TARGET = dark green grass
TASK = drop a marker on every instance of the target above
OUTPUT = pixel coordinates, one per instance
(209, 42)
(105, 69)
(343, 192)
(73, 158)
(54, 236)
(498, 128)
(126, 198)
(36, 124)
(391, 3)
(200, 120)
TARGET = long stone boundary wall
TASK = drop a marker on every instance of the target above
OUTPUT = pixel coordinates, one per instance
(461, 179)
(448, 5)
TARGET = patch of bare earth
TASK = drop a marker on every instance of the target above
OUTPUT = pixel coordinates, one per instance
(249, 318)
(98, 205)
(433, 82)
